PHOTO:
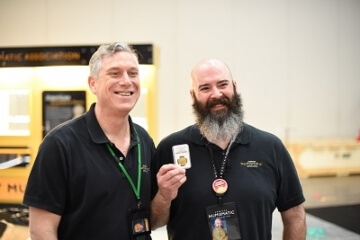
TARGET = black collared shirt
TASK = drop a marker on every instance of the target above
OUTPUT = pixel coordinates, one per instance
(75, 176)
(260, 174)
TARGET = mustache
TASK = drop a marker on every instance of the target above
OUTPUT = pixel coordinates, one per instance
(223, 100)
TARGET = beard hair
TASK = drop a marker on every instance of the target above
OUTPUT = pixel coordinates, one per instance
(223, 124)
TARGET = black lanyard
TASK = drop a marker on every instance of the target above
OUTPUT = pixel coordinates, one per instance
(131, 182)
(219, 182)
(223, 162)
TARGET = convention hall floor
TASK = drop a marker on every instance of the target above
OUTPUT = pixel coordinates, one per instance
(319, 192)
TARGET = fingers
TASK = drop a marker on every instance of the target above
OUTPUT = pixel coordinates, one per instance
(170, 177)
(169, 171)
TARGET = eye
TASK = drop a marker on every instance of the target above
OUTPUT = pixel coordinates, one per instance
(133, 73)
(114, 73)
(223, 85)
(204, 89)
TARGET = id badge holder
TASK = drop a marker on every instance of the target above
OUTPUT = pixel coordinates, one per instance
(223, 221)
(139, 222)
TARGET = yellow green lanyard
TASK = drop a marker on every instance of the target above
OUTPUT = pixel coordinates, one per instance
(135, 189)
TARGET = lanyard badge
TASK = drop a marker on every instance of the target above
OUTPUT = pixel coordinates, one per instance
(139, 222)
(139, 217)
(222, 217)
(223, 221)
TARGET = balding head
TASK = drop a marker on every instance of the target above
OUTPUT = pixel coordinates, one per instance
(210, 67)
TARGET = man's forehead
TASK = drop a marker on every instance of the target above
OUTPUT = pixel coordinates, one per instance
(121, 56)
(212, 72)
(120, 60)
(213, 81)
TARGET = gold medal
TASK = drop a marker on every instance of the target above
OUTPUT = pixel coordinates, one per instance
(220, 186)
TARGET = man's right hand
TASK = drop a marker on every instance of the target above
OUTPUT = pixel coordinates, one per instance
(170, 177)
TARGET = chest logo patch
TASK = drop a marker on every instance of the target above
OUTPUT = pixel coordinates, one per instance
(251, 164)
(145, 169)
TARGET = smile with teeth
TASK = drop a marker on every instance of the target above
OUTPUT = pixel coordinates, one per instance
(217, 107)
(220, 104)
(124, 93)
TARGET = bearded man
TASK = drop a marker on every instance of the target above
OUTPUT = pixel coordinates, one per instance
(237, 172)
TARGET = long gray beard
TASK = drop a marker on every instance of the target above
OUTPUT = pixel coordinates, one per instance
(215, 131)
(223, 124)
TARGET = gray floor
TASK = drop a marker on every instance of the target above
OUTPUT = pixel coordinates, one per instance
(324, 191)
(318, 192)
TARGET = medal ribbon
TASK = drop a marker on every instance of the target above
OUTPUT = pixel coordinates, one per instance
(131, 182)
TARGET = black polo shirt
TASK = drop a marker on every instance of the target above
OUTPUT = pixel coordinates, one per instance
(260, 174)
(75, 176)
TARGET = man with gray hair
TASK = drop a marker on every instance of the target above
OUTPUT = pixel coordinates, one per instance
(88, 179)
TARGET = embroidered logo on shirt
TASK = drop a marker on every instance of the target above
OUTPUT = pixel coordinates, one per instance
(145, 169)
(251, 164)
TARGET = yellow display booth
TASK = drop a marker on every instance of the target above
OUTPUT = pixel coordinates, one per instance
(27, 77)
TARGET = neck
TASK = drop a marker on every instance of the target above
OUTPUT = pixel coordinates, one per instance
(221, 143)
(116, 129)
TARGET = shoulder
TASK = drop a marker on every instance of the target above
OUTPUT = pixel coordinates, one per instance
(182, 136)
(142, 133)
(72, 126)
(261, 135)
(140, 130)
(67, 132)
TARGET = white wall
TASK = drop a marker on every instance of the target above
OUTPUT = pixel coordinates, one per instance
(297, 62)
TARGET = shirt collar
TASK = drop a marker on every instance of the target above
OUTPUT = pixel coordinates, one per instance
(96, 133)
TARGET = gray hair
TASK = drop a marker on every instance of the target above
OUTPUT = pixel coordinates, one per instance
(108, 50)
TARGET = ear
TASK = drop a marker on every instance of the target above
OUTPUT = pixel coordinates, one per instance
(192, 94)
(235, 86)
(91, 82)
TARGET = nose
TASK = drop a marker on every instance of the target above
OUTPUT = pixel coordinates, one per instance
(216, 93)
(125, 79)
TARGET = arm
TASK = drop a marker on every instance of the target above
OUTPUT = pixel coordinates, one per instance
(170, 177)
(294, 220)
(43, 224)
